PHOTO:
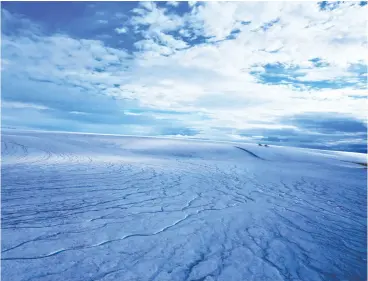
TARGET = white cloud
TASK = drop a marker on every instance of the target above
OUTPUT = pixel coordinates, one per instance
(173, 3)
(121, 30)
(324, 73)
(154, 18)
(78, 112)
(302, 32)
(192, 3)
(127, 112)
(4, 63)
(213, 79)
(22, 105)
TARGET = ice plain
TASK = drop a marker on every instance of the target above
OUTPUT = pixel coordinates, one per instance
(99, 207)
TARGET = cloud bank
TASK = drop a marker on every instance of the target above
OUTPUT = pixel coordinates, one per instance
(279, 72)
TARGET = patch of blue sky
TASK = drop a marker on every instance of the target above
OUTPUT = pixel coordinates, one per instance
(269, 24)
(275, 74)
(318, 62)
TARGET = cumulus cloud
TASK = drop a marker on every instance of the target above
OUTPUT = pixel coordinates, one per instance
(239, 66)
(173, 3)
(121, 30)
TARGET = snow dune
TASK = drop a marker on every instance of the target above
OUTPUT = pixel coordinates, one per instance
(98, 207)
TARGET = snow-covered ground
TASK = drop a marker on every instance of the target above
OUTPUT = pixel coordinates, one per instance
(94, 207)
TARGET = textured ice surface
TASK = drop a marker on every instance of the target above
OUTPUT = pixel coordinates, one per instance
(90, 207)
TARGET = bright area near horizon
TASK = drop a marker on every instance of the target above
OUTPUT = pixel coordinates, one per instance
(273, 72)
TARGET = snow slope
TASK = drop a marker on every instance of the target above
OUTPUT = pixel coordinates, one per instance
(95, 207)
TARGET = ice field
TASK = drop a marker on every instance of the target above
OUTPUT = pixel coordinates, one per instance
(98, 207)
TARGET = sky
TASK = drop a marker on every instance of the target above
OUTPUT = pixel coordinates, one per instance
(286, 73)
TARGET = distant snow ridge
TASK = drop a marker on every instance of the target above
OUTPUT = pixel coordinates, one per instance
(93, 207)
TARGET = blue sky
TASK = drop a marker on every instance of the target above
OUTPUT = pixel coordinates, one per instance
(280, 72)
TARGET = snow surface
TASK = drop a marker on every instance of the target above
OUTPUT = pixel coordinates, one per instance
(95, 207)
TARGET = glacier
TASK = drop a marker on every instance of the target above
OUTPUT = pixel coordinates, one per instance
(103, 207)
